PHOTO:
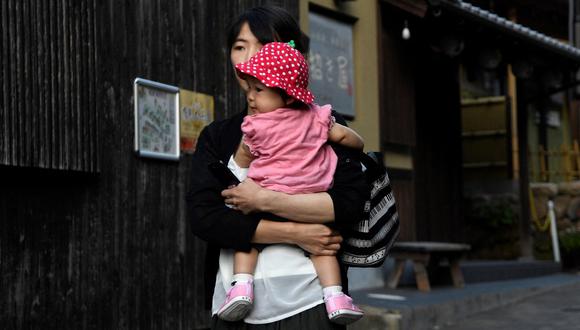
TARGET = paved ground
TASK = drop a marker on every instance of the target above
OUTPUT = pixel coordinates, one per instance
(545, 302)
(555, 310)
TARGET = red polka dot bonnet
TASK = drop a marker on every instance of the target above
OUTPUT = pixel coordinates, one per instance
(278, 64)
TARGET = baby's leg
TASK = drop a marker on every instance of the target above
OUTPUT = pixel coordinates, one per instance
(240, 296)
(327, 269)
(245, 262)
(339, 306)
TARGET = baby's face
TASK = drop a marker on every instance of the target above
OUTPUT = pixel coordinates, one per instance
(261, 98)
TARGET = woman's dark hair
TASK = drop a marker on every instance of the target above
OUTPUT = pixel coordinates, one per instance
(269, 24)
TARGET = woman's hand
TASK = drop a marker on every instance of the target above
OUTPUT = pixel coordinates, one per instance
(249, 197)
(245, 197)
(317, 239)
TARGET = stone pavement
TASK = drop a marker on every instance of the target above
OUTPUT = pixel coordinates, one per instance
(455, 308)
(554, 310)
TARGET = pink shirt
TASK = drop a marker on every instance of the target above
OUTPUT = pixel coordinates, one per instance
(292, 155)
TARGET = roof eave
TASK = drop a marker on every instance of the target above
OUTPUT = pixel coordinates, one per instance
(513, 29)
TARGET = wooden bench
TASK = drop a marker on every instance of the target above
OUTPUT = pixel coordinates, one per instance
(424, 254)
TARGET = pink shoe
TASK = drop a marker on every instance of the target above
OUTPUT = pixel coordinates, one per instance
(239, 301)
(341, 310)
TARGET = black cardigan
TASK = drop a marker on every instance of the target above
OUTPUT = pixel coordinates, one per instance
(223, 227)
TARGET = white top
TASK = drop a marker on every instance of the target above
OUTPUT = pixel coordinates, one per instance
(285, 281)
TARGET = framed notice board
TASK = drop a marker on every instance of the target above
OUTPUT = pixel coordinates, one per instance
(156, 119)
(331, 59)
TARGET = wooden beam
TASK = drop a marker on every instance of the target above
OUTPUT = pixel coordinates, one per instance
(511, 88)
(415, 7)
(526, 248)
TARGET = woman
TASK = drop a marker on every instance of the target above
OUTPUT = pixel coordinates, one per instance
(285, 279)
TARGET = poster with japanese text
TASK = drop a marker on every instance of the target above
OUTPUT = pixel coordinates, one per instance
(196, 111)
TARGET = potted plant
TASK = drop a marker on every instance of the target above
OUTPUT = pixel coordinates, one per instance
(570, 248)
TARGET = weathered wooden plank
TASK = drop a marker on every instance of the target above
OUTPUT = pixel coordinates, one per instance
(43, 62)
(35, 85)
(27, 115)
(44, 69)
(4, 77)
(14, 90)
(112, 251)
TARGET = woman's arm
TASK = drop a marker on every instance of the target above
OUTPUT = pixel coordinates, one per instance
(221, 226)
(343, 203)
(314, 238)
(249, 197)
(210, 219)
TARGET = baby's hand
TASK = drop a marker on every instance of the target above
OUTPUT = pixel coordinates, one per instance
(243, 156)
(246, 150)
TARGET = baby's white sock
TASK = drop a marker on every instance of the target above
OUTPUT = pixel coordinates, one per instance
(330, 290)
(242, 277)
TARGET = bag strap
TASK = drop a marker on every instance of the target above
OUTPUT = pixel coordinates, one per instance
(373, 161)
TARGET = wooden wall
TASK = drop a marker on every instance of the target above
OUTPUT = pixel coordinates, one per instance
(438, 162)
(91, 236)
(397, 115)
(48, 85)
(420, 117)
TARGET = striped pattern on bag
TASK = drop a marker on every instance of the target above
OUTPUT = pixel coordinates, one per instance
(368, 242)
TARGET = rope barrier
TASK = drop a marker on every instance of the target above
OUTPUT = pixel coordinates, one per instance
(539, 226)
